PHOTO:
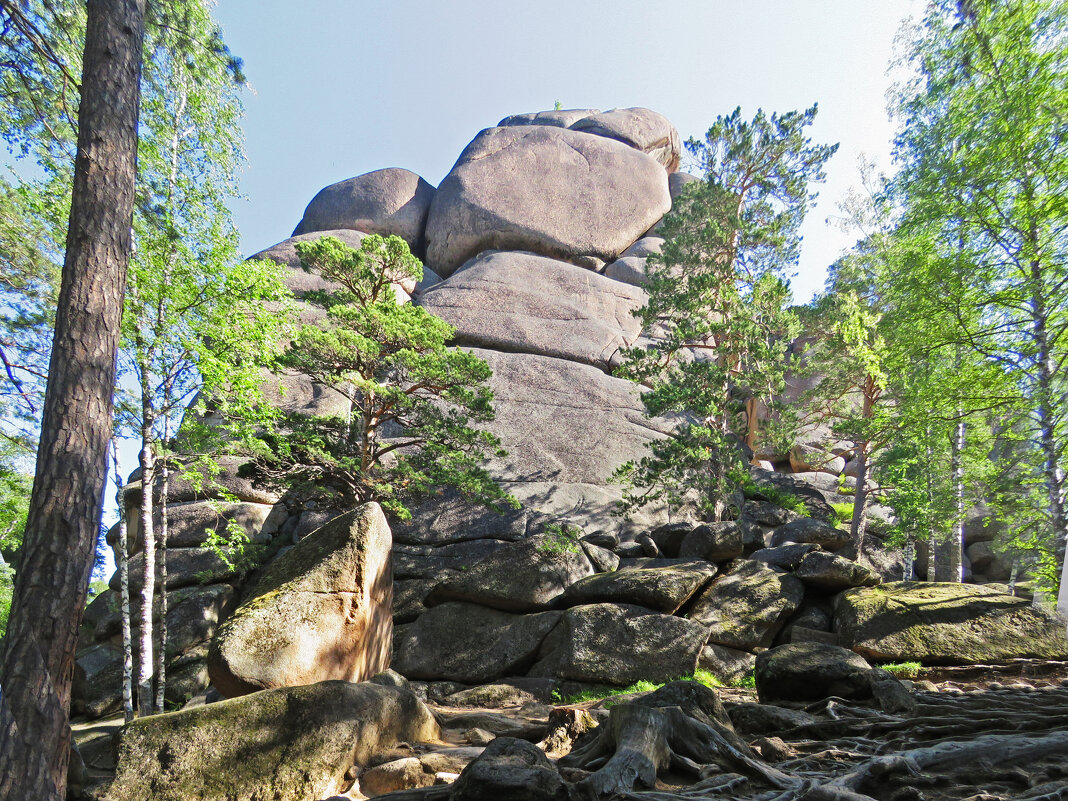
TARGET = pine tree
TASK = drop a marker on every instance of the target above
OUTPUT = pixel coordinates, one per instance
(717, 305)
(413, 403)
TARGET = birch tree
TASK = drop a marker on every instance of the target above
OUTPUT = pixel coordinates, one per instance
(983, 170)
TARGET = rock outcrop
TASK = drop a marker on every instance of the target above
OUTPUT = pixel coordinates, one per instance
(303, 743)
(321, 611)
(387, 202)
(945, 624)
(811, 671)
(594, 197)
(543, 230)
(525, 303)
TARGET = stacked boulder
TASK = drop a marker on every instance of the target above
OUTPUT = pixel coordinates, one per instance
(597, 610)
(535, 247)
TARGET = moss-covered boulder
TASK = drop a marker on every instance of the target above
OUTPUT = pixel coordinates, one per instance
(290, 744)
(747, 606)
(321, 611)
(809, 671)
(945, 624)
(662, 589)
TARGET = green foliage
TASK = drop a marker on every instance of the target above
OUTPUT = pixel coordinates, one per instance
(982, 185)
(7, 586)
(903, 670)
(768, 492)
(717, 308)
(234, 546)
(562, 538)
(700, 675)
(843, 512)
(413, 403)
(15, 488)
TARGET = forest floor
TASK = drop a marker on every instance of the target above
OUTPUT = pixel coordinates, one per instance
(978, 733)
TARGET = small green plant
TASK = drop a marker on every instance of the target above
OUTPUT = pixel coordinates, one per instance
(903, 670)
(561, 538)
(843, 513)
(234, 546)
(770, 493)
(746, 682)
(641, 686)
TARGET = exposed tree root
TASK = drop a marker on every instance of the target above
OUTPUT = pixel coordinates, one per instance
(994, 743)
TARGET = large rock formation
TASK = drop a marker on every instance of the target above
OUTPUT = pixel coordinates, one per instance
(945, 624)
(289, 744)
(322, 611)
(543, 229)
(522, 302)
(594, 197)
(390, 201)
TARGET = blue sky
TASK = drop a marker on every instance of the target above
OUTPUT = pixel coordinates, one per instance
(342, 88)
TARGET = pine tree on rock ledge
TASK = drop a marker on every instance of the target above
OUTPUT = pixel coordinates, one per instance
(413, 403)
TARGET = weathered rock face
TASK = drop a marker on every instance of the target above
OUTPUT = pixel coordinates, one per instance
(619, 644)
(594, 197)
(469, 643)
(662, 589)
(784, 557)
(566, 427)
(512, 769)
(830, 572)
(525, 577)
(727, 664)
(557, 118)
(716, 542)
(95, 691)
(640, 128)
(810, 671)
(321, 611)
(747, 606)
(807, 529)
(185, 567)
(289, 744)
(227, 481)
(526, 303)
(189, 523)
(390, 201)
(945, 624)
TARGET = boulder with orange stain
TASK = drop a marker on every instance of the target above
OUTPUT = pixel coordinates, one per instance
(321, 611)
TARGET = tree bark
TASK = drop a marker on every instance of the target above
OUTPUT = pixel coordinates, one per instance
(66, 502)
(124, 588)
(146, 661)
(161, 562)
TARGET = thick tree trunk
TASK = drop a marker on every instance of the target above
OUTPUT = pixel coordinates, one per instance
(124, 588)
(66, 503)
